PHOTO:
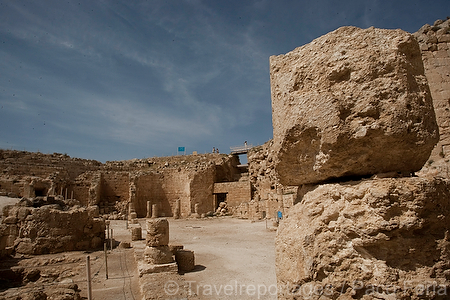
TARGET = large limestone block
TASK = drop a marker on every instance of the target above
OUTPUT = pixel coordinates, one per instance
(354, 102)
(158, 255)
(157, 232)
(383, 239)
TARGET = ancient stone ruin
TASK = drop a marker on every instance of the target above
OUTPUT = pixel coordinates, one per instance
(434, 41)
(353, 120)
(173, 185)
(49, 225)
(356, 175)
(351, 103)
(377, 238)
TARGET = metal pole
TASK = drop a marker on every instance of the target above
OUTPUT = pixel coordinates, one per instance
(107, 231)
(106, 259)
(88, 271)
(111, 239)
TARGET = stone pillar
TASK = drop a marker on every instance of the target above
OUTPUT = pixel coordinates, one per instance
(196, 214)
(157, 241)
(149, 210)
(177, 209)
(136, 233)
(155, 212)
(185, 260)
(157, 232)
(132, 213)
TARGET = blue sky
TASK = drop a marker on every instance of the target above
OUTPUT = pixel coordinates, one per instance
(116, 80)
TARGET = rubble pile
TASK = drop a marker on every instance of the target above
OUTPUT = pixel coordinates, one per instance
(223, 209)
(44, 225)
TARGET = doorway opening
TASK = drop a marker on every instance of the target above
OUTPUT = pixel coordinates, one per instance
(40, 192)
(220, 197)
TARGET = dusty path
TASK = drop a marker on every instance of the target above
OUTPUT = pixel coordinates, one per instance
(122, 282)
(235, 258)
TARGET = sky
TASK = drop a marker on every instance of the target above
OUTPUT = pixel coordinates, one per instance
(123, 79)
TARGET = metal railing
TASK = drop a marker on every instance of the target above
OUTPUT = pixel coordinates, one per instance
(241, 148)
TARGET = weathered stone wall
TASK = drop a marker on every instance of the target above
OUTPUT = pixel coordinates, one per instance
(237, 192)
(435, 45)
(44, 165)
(111, 186)
(115, 187)
(87, 188)
(347, 110)
(201, 191)
(359, 240)
(269, 195)
(51, 228)
(162, 189)
(261, 170)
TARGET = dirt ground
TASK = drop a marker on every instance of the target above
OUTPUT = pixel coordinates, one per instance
(234, 258)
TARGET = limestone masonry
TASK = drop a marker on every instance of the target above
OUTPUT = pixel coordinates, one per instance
(353, 102)
(368, 114)
(112, 186)
(434, 42)
(351, 237)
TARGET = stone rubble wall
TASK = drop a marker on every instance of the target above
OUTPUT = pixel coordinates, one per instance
(434, 43)
(269, 195)
(188, 179)
(237, 192)
(201, 186)
(161, 189)
(51, 228)
(114, 188)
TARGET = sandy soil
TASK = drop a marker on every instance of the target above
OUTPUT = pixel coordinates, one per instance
(235, 259)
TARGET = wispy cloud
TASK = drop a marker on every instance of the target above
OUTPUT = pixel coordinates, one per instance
(104, 76)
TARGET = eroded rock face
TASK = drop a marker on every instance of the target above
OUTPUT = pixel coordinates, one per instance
(353, 102)
(386, 238)
(49, 229)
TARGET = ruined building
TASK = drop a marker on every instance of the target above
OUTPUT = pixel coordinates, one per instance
(192, 181)
(353, 122)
